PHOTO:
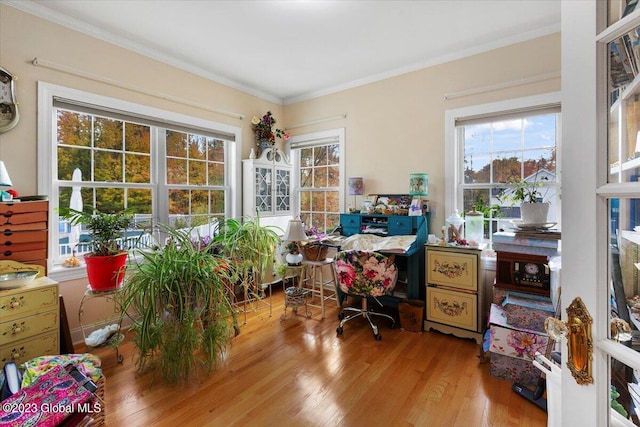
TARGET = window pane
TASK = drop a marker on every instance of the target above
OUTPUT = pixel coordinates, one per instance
(108, 166)
(217, 202)
(176, 144)
(176, 171)
(305, 201)
(197, 147)
(199, 202)
(320, 154)
(306, 180)
(334, 176)
(216, 150)
(109, 199)
(507, 167)
(540, 131)
(507, 135)
(317, 201)
(306, 157)
(333, 201)
(216, 174)
(137, 168)
(197, 173)
(137, 138)
(320, 177)
(107, 133)
(71, 158)
(477, 168)
(477, 139)
(178, 202)
(74, 128)
(140, 201)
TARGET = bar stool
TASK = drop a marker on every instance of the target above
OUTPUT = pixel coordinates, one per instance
(315, 281)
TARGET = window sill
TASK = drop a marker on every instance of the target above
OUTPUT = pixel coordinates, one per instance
(64, 274)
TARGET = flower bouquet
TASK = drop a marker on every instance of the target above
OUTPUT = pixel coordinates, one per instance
(266, 132)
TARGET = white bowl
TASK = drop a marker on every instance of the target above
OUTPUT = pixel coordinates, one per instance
(17, 279)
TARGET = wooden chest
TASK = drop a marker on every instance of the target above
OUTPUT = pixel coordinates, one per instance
(29, 321)
(24, 232)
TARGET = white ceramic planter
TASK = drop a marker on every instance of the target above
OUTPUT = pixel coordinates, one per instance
(534, 213)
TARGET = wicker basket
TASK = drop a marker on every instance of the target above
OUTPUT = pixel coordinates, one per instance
(315, 252)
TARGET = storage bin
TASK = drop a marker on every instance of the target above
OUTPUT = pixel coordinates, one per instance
(411, 314)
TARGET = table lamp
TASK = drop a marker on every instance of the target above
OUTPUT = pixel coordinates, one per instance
(418, 187)
(295, 234)
(5, 181)
(356, 188)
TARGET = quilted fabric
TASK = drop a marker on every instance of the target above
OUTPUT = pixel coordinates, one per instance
(365, 273)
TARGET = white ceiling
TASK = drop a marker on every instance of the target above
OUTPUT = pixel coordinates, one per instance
(286, 51)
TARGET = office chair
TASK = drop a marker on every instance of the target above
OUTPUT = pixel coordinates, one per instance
(367, 275)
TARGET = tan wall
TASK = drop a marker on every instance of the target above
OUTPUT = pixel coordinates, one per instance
(393, 127)
(396, 126)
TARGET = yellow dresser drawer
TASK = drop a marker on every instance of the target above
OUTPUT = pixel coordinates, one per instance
(25, 327)
(21, 351)
(452, 269)
(452, 308)
(39, 296)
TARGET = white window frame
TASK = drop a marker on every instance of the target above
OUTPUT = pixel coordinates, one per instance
(47, 167)
(453, 147)
(332, 136)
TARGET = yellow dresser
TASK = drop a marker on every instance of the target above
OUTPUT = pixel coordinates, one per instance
(29, 321)
(456, 301)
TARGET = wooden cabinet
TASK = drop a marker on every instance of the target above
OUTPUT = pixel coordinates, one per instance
(267, 185)
(24, 232)
(29, 321)
(456, 301)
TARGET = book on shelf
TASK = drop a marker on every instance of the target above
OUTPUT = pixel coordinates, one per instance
(621, 69)
(630, 7)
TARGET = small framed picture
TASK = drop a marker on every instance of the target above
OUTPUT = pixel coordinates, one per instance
(370, 199)
(415, 209)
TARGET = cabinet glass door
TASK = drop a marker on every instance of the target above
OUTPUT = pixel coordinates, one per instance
(283, 190)
(264, 196)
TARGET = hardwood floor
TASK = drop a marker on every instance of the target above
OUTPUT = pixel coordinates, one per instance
(299, 372)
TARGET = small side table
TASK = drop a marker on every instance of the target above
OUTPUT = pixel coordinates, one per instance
(111, 297)
(295, 296)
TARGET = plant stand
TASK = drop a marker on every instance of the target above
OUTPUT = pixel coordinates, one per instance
(112, 297)
(294, 298)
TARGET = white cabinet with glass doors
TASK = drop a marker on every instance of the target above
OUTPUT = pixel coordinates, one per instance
(267, 187)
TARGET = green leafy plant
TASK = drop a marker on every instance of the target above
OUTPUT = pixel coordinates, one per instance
(105, 229)
(249, 246)
(178, 297)
(521, 190)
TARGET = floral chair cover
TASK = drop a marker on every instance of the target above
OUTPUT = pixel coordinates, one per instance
(365, 273)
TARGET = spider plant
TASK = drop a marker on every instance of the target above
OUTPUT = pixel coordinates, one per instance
(251, 248)
(178, 299)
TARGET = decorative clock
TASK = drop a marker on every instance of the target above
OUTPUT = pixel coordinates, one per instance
(532, 274)
(9, 115)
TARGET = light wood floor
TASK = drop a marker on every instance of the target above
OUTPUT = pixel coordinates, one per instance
(299, 373)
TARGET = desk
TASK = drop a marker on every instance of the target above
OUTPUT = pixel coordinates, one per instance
(112, 297)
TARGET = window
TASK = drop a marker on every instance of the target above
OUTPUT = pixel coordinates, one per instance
(319, 171)
(168, 168)
(492, 146)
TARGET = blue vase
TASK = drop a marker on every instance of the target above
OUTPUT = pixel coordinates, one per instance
(263, 144)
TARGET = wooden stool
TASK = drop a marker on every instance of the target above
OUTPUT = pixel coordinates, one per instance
(315, 281)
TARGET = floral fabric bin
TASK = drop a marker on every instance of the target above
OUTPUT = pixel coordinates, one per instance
(512, 349)
(527, 311)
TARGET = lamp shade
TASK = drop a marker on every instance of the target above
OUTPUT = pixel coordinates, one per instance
(295, 231)
(356, 186)
(5, 181)
(419, 184)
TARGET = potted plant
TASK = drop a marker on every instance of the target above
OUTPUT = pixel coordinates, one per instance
(178, 297)
(533, 209)
(250, 249)
(107, 259)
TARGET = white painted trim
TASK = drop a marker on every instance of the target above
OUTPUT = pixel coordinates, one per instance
(452, 174)
(46, 150)
(338, 134)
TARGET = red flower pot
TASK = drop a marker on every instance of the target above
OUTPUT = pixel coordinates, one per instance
(105, 272)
